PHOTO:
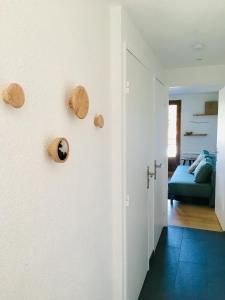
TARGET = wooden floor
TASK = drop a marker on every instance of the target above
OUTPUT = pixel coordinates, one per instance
(193, 216)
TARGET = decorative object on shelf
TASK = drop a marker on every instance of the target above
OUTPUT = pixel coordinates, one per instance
(99, 121)
(14, 95)
(79, 102)
(211, 109)
(188, 132)
(59, 150)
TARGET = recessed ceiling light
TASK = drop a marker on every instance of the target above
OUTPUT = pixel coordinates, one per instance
(198, 46)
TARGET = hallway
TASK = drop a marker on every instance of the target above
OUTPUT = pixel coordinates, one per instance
(188, 264)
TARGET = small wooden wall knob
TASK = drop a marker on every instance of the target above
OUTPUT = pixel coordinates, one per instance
(59, 150)
(99, 121)
(79, 102)
(14, 95)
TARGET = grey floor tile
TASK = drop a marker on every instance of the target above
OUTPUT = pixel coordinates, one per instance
(191, 279)
(194, 251)
(172, 236)
(189, 264)
(167, 255)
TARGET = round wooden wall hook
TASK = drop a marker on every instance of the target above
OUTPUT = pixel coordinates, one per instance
(79, 102)
(99, 121)
(59, 150)
(14, 95)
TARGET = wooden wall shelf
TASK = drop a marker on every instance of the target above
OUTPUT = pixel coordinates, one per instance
(196, 134)
(202, 115)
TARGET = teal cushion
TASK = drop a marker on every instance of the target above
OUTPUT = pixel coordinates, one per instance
(213, 158)
(203, 171)
(204, 153)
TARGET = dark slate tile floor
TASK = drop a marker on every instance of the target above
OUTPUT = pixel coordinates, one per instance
(188, 264)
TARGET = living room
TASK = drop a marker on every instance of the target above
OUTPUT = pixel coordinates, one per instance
(192, 149)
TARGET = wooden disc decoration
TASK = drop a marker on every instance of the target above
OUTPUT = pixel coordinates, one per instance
(99, 121)
(14, 95)
(59, 150)
(79, 102)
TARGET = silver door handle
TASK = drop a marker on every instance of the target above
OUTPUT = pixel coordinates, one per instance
(156, 166)
(149, 175)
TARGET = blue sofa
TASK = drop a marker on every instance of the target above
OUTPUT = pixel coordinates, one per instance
(182, 185)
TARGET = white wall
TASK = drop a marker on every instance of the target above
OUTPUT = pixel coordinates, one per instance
(117, 84)
(192, 104)
(205, 75)
(55, 219)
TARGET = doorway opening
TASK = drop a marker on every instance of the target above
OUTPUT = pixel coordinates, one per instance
(192, 148)
(174, 127)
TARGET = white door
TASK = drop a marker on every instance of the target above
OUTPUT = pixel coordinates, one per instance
(161, 161)
(139, 154)
(220, 166)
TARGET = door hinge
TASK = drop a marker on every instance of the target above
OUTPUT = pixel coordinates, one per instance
(127, 201)
(127, 87)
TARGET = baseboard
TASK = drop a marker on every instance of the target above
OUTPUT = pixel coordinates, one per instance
(220, 218)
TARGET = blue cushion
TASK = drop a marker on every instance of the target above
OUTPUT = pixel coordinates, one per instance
(203, 171)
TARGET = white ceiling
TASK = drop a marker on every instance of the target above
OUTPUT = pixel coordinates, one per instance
(172, 27)
(179, 90)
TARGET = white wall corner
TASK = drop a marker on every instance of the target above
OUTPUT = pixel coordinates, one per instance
(116, 65)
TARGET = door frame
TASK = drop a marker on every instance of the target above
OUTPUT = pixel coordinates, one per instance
(165, 161)
(219, 205)
(120, 42)
(149, 192)
(126, 49)
(178, 103)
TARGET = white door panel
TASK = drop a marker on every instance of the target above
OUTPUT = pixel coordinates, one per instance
(220, 166)
(139, 155)
(161, 182)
